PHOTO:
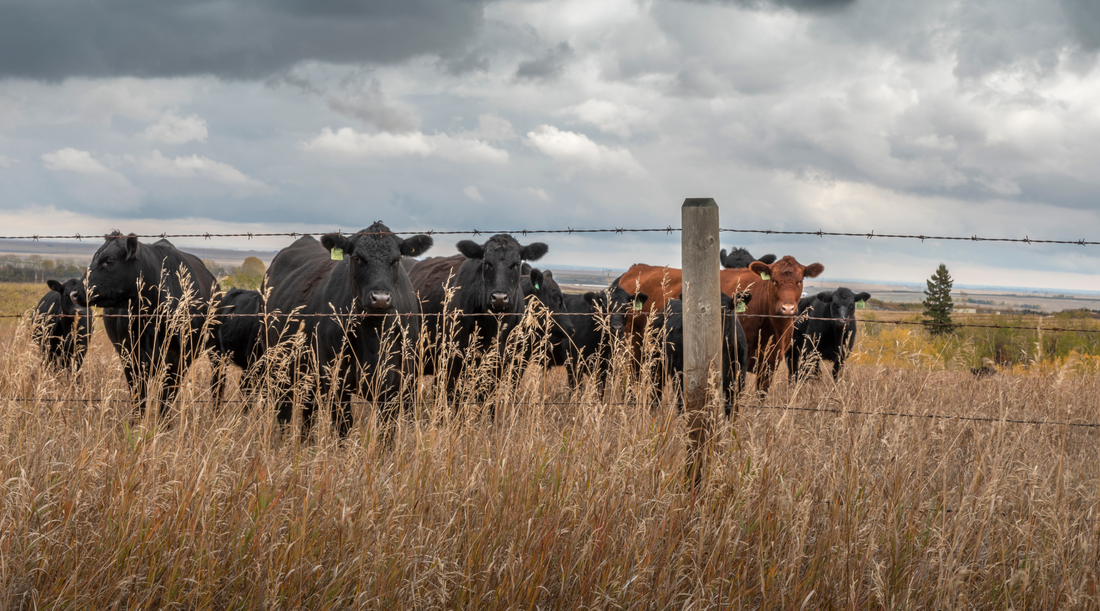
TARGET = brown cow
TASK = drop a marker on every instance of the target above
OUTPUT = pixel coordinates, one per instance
(769, 338)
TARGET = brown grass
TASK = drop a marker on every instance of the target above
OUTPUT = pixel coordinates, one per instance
(563, 501)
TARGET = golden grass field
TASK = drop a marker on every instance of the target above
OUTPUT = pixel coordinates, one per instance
(564, 500)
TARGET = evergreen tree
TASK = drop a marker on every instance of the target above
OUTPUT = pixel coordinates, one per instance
(937, 302)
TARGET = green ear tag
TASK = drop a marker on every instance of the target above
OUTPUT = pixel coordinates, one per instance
(765, 276)
(860, 305)
(537, 287)
(337, 254)
(741, 307)
(637, 306)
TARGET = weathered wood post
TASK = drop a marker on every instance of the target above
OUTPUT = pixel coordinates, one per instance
(702, 321)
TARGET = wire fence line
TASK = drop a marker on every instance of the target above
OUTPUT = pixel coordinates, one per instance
(569, 231)
(353, 315)
(462, 404)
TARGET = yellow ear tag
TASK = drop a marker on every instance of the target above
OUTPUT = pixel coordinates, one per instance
(741, 307)
(537, 287)
(860, 305)
(637, 306)
(765, 276)
(337, 254)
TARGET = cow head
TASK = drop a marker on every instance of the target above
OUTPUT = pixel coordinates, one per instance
(542, 285)
(740, 258)
(498, 266)
(69, 291)
(114, 272)
(785, 285)
(840, 304)
(373, 257)
(619, 304)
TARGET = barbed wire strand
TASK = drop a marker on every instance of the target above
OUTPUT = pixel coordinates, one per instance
(838, 411)
(568, 231)
(283, 318)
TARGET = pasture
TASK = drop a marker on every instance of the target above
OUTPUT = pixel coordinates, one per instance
(565, 499)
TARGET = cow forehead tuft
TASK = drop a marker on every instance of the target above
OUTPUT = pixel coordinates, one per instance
(500, 246)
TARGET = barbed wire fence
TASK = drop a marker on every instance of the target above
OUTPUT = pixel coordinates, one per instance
(668, 230)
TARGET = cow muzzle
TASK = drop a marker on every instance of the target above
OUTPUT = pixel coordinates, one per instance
(788, 309)
(499, 301)
(380, 301)
(75, 297)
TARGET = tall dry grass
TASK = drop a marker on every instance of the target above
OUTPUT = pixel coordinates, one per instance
(564, 500)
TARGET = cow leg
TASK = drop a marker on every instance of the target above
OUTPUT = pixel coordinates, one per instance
(838, 365)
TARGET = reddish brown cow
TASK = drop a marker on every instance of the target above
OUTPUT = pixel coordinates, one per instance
(768, 338)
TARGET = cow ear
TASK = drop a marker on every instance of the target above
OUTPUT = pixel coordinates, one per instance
(680, 296)
(722, 257)
(769, 259)
(640, 298)
(824, 296)
(470, 249)
(131, 245)
(592, 298)
(54, 285)
(759, 268)
(744, 297)
(533, 251)
(863, 297)
(537, 278)
(336, 240)
(416, 245)
(813, 270)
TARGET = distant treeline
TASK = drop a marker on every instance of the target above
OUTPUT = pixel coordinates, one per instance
(34, 268)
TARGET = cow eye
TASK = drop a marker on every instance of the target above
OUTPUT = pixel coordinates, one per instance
(514, 266)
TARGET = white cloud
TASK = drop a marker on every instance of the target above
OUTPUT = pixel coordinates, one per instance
(609, 117)
(72, 160)
(196, 166)
(98, 187)
(494, 128)
(346, 142)
(472, 193)
(176, 130)
(577, 152)
(538, 192)
(7, 162)
(99, 101)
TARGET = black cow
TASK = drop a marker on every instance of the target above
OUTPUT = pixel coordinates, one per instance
(542, 286)
(238, 338)
(830, 339)
(598, 323)
(487, 298)
(65, 326)
(155, 301)
(735, 353)
(358, 314)
(740, 258)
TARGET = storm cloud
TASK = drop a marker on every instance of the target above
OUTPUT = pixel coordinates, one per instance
(231, 39)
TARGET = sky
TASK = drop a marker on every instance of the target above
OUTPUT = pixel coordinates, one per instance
(934, 117)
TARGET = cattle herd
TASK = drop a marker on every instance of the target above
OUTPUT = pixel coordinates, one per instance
(358, 315)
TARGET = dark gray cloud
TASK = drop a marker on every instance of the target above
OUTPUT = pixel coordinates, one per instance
(550, 65)
(231, 39)
(798, 5)
(372, 108)
(1084, 16)
(472, 61)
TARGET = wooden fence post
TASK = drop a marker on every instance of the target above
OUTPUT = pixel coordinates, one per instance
(702, 321)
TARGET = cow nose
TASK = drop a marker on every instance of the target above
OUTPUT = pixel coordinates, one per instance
(380, 301)
(617, 326)
(500, 300)
(788, 309)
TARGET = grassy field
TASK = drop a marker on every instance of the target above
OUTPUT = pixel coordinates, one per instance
(564, 501)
